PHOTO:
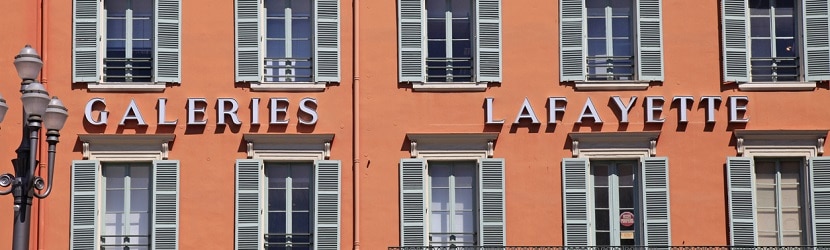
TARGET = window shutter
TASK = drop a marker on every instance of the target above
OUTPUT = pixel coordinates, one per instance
(249, 174)
(655, 186)
(167, 59)
(575, 200)
(735, 40)
(411, 41)
(488, 40)
(649, 40)
(84, 204)
(491, 202)
(413, 199)
(327, 41)
(820, 189)
(571, 40)
(85, 57)
(816, 40)
(248, 62)
(165, 204)
(741, 190)
(327, 206)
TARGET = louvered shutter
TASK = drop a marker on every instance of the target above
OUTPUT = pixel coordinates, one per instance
(488, 40)
(741, 190)
(327, 205)
(816, 40)
(85, 57)
(649, 40)
(411, 41)
(491, 202)
(413, 198)
(571, 40)
(575, 201)
(820, 191)
(655, 186)
(249, 174)
(327, 41)
(165, 205)
(167, 59)
(735, 40)
(248, 63)
(84, 203)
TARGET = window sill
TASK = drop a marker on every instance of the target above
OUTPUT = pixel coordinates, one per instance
(777, 86)
(449, 86)
(611, 85)
(288, 86)
(126, 87)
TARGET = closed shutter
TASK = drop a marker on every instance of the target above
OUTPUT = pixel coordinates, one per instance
(735, 44)
(248, 63)
(84, 203)
(327, 205)
(488, 40)
(411, 39)
(327, 41)
(491, 202)
(413, 198)
(741, 189)
(249, 174)
(575, 201)
(167, 59)
(816, 40)
(165, 205)
(649, 40)
(85, 39)
(820, 189)
(655, 186)
(571, 40)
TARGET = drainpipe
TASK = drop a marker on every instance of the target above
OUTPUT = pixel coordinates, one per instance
(41, 223)
(356, 122)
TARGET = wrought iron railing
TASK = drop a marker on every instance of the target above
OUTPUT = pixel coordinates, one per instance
(288, 241)
(775, 69)
(449, 69)
(288, 69)
(452, 239)
(610, 67)
(614, 248)
(125, 241)
(119, 69)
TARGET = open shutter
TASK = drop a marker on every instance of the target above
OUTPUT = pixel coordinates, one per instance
(84, 203)
(741, 191)
(655, 186)
(735, 43)
(575, 200)
(649, 40)
(816, 39)
(491, 202)
(411, 41)
(571, 40)
(167, 58)
(248, 63)
(249, 174)
(327, 41)
(327, 205)
(488, 41)
(85, 57)
(165, 205)
(413, 200)
(820, 191)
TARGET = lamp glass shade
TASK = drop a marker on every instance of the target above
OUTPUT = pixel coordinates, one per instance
(3, 108)
(56, 115)
(35, 99)
(28, 63)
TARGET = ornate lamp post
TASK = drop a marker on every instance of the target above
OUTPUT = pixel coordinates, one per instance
(38, 109)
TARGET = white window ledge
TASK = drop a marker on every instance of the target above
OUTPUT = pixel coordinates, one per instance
(126, 87)
(614, 145)
(776, 86)
(125, 147)
(288, 86)
(449, 86)
(804, 143)
(611, 85)
(452, 146)
(289, 147)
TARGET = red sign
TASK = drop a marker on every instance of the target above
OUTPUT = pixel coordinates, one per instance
(626, 219)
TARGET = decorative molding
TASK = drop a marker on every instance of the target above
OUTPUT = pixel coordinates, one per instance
(777, 86)
(293, 86)
(289, 147)
(452, 146)
(449, 86)
(614, 145)
(123, 147)
(126, 87)
(612, 85)
(803, 143)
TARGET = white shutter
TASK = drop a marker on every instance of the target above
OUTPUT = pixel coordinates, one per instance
(655, 186)
(165, 205)
(816, 40)
(327, 205)
(248, 61)
(488, 41)
(249, 177)
(327, 41)
(411, 41)
(734, 18)
(84, 219)
(575, 201)
(571, 40)
(85, 41)
(820, 192)
(491, 202)
(167, 59)
(413, 202)
(649, 40)
(741, 192)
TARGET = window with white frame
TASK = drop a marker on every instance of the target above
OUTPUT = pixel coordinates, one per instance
(288, 41)
(126, 199)
(128, 43)
(290, 200)
(774, 43)
(452, 208)
(779, 202)
(616, 214)
(449, 41)
(610, 39)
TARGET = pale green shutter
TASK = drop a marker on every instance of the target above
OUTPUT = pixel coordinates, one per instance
(649, 40)
(413, 200)
(575, 201)
(327, 41)
(167, 59)
(491, 202)
(165, 205)
(571, 40)
(248, 63)
(741, 190)
(85, 57)
(84, 228)
(820, 191)
(655, 186)
(816, 40)
(327, 205)
(488, 41)
(735, 40)
(411, 41)
(249, 177)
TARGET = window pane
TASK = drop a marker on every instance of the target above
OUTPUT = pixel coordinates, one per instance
(275, 49)
(628, 228)
(300, 199)
(596, 7)
(301, 28)
(784, 27)
(461, 29)
(759, 7)
(276, 176)
(601, 217)
(113, 224)
(622, 47)
(759, 26)
(596, 47)
(461, 8)
(300, 176)
(626, 197)
(301, 48)
(139, 200)
(439, 176)
(784, 7)
(621, 27)
(464, 176)
(603, 239)
(461, 49)
(601, 197)
(792, 240)
(276, 222)
(596, 27)
(114, 176)
(785, 47)
(626, 175)
(436, 8)
(140, 177)
(600, 173)
(440, 199)
(301, 7)
(116, 28)
(436, 29)
(621, 7)
(761, 48)
(142, 8)
(276, 199)
(791, 220)
(275, 28)
(464, 199)
(115, 201)
(767, 239)
(116, 7)
(439, 221)
(275, 8)
(766, 221)
(464, 222)
(301, 221)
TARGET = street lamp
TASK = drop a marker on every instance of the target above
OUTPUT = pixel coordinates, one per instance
(38, 109)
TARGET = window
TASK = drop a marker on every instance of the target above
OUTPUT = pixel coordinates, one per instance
(452, 209)
(616, 207)
(778, 204)
(610, 40)
(447, 42)
(127, 206)
(774, 47)
(289, 206)
(288, 41)
(126, 44)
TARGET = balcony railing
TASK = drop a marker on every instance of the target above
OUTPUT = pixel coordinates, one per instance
(614, 248)
(610, 68)
(775, 69)
(288, 69)
(288, 241)
(118, 69)
(444, 69)
(125, 241)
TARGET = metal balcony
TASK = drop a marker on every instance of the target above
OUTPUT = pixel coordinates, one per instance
(613, 248)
